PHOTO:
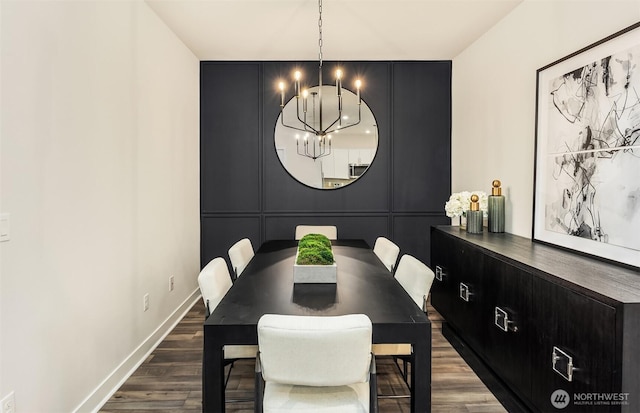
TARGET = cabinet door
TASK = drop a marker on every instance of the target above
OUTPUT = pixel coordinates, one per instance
(329, 166)
(505, 318)
(341, 158)
(466, 281)
(579, 334)
(443, 289)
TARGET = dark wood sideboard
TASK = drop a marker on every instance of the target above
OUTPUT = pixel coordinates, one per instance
(542, 319)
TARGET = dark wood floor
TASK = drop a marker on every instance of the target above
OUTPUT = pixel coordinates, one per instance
(170, 379)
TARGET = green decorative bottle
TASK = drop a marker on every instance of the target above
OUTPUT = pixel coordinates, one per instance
(496, 208)
(474, 216)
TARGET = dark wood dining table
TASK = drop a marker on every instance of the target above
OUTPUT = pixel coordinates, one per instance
(364, 286)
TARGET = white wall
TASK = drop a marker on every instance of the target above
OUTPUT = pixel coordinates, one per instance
(99, 171)
(494, 92)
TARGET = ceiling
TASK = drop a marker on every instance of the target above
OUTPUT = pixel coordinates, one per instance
(352, 29)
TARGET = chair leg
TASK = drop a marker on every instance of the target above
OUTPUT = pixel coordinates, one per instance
(405, 372)
(258, 386)
(373, 386)
(405, 377)
(226, 381)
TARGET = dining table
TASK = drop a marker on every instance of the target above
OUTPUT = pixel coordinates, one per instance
(363, 286)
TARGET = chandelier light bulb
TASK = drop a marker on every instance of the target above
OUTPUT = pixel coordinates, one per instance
(281, 85)
(297, 75)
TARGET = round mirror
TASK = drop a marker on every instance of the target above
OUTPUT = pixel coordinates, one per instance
(318, 147)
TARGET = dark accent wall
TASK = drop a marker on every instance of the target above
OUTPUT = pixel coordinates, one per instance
(245, 191)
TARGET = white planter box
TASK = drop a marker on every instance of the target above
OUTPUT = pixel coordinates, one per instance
(321, 274)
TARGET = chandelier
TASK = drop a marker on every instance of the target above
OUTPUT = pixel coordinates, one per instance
(312, 123)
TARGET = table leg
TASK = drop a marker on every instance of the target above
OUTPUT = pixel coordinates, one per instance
(212, 375)
(421, 372)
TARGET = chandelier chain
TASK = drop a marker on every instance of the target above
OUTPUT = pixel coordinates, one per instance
(320, 31)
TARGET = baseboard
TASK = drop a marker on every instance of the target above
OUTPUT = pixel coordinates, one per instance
(113, 381)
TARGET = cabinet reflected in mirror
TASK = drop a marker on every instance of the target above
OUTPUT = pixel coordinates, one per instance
(345, 154)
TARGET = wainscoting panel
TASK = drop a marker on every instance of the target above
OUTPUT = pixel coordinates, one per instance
(282, 193)
(230, 137)
(422, 136)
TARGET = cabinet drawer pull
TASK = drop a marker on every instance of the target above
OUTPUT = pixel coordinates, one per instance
(440, 273)
(562, 363)
(501, 320)
(465, 294)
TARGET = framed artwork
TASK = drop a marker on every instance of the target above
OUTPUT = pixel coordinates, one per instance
(587, 165)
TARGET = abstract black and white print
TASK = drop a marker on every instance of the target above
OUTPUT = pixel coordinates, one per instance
(593, 188)
(587, 168)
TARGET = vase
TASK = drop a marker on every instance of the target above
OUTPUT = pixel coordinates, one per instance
(496, 208)
(474, 222)
(463, 222)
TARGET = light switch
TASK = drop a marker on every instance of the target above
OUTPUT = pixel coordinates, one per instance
(4, 227)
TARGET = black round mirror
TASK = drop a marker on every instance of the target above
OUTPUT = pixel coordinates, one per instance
(328, 160)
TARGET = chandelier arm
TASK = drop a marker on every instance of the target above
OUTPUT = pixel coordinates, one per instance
(343, 127)
(329, 130)
(306, 125)
(296, 128)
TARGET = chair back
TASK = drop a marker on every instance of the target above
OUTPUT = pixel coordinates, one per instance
(416, 278)
(330, 231)
(240, 254)
(214, 282)
(314, 350)
(387, 251)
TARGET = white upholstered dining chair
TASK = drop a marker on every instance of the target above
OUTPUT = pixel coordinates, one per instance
(240, 254)
(330, 231)
(416, 279)
(315, 364)
(214, 281)
(387, 251)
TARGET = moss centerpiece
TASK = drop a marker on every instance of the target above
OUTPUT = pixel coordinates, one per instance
(314, 260)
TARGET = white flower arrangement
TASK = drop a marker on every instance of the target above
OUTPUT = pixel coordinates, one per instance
(459, 202)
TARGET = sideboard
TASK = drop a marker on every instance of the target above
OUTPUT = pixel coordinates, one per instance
(559, 329)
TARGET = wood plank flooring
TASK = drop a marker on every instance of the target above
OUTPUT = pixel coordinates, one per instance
(170, 380)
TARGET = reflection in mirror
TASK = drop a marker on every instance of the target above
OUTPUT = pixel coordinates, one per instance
(336, 160)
